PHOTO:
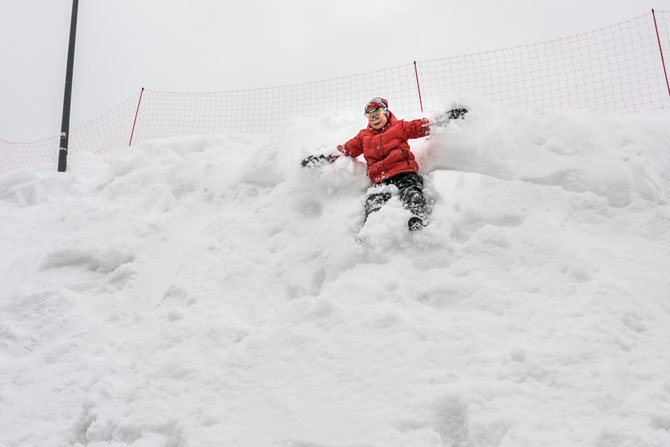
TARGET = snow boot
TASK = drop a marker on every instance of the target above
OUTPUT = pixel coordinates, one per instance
(416, 223)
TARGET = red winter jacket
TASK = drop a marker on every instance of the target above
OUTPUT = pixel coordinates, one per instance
(386, 151)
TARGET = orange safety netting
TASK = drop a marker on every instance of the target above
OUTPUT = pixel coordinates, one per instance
(617, 68)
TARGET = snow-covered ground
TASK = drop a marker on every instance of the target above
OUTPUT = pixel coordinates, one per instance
(207, 291)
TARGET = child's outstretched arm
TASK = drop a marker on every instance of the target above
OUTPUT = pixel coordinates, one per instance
(352, 148)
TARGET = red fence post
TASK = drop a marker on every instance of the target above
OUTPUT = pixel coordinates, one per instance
(135, 121)
(418, 87)
(660, 48)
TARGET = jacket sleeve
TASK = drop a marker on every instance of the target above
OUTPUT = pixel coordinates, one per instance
(352, 148)
(416, 128)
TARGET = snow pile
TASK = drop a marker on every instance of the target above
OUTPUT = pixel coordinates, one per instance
(207, 291)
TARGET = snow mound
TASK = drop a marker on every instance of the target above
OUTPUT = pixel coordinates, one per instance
(208, 291)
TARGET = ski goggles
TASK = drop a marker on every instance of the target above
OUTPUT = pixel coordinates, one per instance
(375, 112)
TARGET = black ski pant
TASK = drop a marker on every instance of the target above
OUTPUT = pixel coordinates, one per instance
(410, 190)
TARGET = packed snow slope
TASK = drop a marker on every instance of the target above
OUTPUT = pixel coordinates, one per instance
(208, 291)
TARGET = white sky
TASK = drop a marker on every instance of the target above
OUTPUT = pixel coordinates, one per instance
(210, 45)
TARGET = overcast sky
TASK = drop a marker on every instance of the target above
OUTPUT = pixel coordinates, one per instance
(211, 45)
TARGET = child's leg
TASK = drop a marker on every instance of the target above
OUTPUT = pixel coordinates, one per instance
(410, 188)
(374, 202)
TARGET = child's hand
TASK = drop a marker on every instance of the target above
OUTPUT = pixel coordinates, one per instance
(317, 160)
(453, 114)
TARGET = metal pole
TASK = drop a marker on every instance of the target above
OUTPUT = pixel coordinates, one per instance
(417, 86)
(658, 36)
(65, 123)
(132, 132)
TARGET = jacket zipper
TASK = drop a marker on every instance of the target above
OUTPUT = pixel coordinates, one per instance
(404, 154)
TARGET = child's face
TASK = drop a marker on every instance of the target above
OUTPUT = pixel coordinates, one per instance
(376, 118)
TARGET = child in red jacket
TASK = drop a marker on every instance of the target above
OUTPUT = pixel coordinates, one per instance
(383, 144)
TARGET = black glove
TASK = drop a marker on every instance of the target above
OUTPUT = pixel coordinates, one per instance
(453, 114)
(317, 160)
